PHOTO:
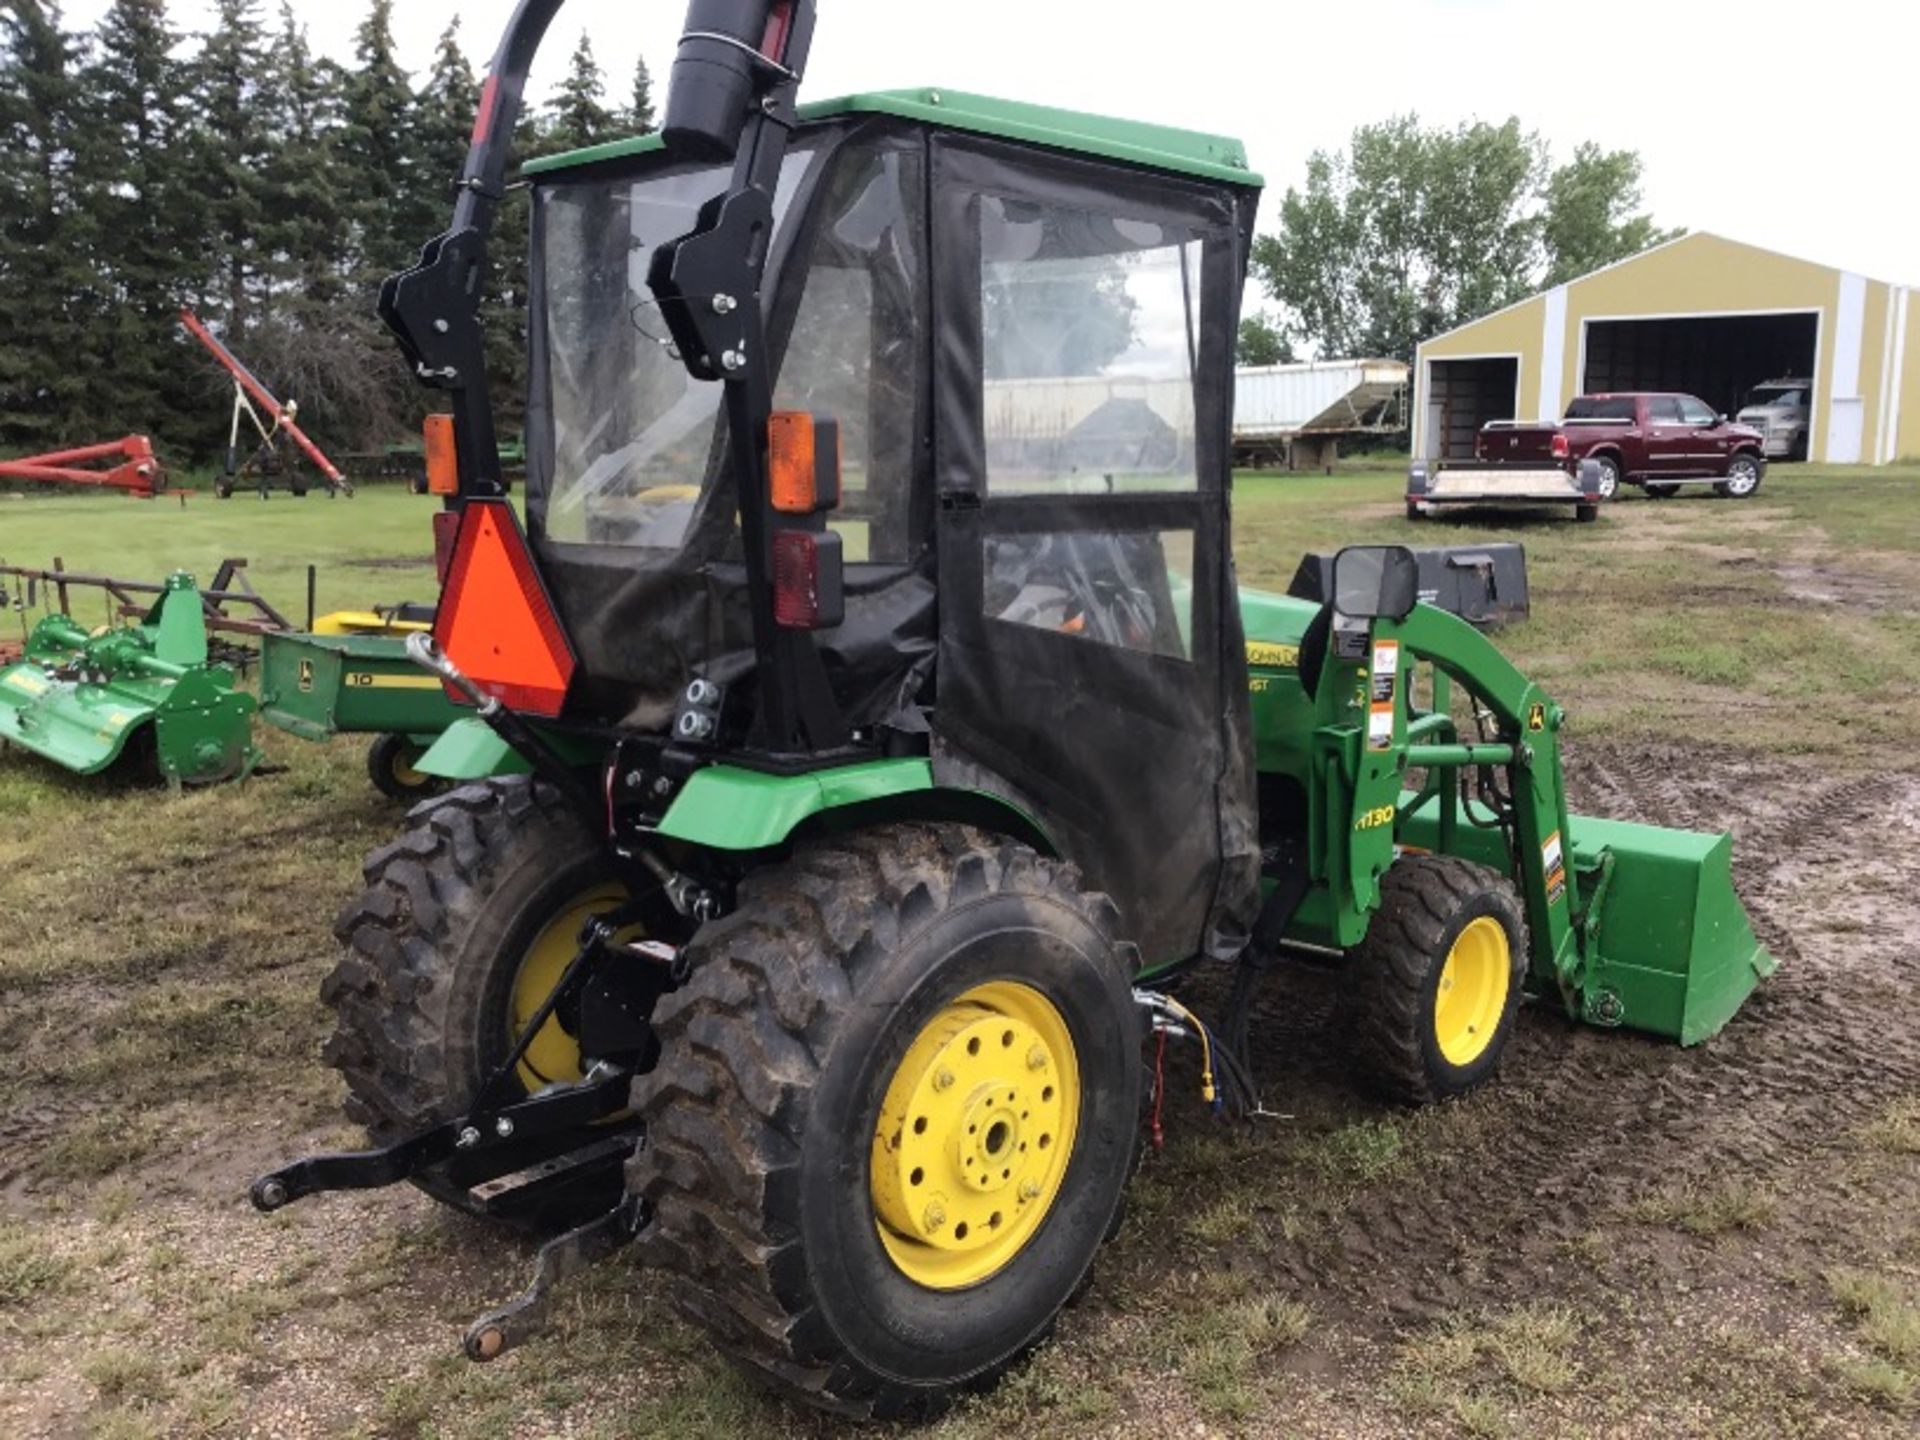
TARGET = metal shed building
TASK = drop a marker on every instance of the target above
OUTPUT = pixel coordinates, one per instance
(1701, 314)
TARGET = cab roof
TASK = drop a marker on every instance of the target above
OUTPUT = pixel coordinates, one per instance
(1160, 147)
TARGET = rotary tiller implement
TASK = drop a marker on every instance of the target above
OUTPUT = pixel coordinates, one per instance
(868, 728)
(147, 691)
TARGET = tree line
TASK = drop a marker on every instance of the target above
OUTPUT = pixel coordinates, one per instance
(273, 189)
(270, 188)
(1414, 230)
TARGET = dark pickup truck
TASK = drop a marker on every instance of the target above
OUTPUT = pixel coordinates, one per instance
(1657, 441)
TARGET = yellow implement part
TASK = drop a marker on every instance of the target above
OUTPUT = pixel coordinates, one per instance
(974, 1135)
(1473, 991)
(554, 1055)
(365, 622)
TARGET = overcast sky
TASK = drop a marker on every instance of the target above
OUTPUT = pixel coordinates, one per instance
(1786, 125)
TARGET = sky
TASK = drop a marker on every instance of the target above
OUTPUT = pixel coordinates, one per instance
(1783, 125)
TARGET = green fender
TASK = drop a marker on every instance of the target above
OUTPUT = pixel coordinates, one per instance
(725, 807)
(468, 749)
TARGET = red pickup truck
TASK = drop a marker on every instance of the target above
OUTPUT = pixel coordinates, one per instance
(1657, 441)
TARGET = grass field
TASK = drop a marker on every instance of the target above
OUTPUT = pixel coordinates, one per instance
(1618, 1238)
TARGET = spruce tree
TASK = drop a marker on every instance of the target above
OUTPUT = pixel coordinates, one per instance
(377, 172)
(578, 114)
(44, 275)
(639, 118)
(305, 243)
(443, 129)
(133, 164)
(232, 147)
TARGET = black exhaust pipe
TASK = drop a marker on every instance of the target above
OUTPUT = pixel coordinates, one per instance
(726, 51)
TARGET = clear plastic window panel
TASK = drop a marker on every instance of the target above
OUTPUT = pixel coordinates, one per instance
(1090, 333)
(1132, 589)
(633, 433)
(854, 353)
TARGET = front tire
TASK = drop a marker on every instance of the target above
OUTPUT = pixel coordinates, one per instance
(1743, 478)
(866, 1192)
(1439, 978)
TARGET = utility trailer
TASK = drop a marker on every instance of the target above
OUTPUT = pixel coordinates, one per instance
(1434, 485)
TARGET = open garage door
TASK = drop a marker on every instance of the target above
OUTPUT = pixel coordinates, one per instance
(1463, 395)
(1719, 358)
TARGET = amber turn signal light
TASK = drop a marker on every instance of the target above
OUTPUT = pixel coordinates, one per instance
(443, 471)
(803, 462)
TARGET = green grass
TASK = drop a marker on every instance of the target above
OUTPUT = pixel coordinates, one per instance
(160, 1019)
(1707, 1210)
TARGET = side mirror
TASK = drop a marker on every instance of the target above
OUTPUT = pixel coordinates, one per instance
(1375, 582)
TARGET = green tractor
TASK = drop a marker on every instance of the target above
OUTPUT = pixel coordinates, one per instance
(868, 731)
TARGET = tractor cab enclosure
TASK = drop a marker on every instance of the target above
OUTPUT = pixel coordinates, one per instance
(1020, 323)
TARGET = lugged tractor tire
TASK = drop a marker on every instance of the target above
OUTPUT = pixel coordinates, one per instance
(1437, 990)
(809, 1008)
(423, 997)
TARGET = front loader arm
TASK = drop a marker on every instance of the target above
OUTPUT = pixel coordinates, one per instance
(1367, 739)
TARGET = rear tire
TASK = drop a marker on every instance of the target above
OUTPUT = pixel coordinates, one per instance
(1744, 474)
(1439, 978)
(1585, 514)
(1414, 512)
(1609, 476)
(424, 997)
(777, 1123)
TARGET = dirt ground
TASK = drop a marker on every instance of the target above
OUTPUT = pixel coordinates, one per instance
(1617, 1238)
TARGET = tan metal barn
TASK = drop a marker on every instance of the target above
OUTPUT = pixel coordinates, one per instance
(1701, 314)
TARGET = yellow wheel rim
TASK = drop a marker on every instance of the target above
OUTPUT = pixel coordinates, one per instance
(975, 1135)
(554, 1055)
(409, 777)
(1473, 991)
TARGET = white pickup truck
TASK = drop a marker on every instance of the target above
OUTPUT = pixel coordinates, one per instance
(1779, 410)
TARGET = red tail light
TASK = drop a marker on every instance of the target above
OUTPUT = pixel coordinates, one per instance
(807, 580)
(495, 621)
(1561, 450)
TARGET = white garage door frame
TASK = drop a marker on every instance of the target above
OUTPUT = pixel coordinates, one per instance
(1424, 388)
(1816, 430)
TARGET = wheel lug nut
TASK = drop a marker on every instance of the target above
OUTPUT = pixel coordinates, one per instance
(1030, 1190)
(935, 1217)
(1036, 1058)
(942, 1078)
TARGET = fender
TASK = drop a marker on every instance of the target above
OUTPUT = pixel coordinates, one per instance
(726, 807)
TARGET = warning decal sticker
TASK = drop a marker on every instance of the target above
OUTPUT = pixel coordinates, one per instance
(1553, 866)
(1386, 670)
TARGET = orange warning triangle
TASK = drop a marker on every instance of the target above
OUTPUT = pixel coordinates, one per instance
(495, 621)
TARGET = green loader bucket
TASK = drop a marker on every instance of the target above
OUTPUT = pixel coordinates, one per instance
(1669, 946)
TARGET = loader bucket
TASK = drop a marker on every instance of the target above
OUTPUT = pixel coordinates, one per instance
(1669, 947)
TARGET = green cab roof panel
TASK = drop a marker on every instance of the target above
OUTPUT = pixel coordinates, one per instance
(1160, 147)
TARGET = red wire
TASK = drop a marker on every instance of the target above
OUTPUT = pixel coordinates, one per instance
(1159, 1091)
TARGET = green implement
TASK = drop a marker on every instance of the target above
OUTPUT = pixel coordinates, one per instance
(84, 700)
(352, 676)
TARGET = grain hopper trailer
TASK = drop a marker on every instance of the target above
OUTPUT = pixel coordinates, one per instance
(859, 753)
